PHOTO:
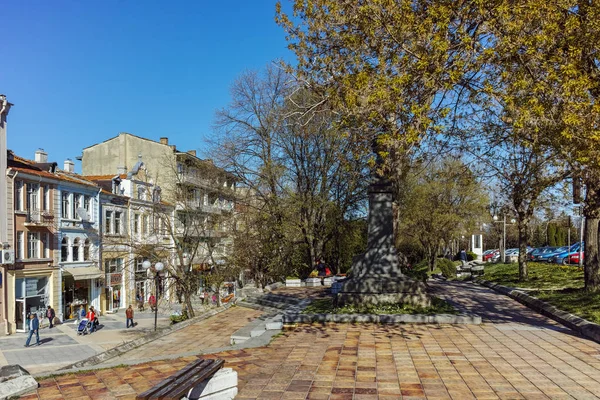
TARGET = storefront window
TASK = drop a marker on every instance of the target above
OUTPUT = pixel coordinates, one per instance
(31, 296)
(114, 279)
(76, 294)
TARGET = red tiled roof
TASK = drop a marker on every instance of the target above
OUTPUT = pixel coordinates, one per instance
(103, 177)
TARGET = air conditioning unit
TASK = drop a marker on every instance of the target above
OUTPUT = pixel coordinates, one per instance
(8, 256)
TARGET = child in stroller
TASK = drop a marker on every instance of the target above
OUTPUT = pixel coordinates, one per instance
(84, 327)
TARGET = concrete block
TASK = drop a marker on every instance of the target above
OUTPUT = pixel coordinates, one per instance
(274, 323)
(311, 282)
(221, 383)
(328, 281)
(293, 283)
(15, 381)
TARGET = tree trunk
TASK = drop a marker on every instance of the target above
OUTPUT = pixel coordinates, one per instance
(431, 258)
(591, 212)
(591, 263)
(188, 304)
(523, 238)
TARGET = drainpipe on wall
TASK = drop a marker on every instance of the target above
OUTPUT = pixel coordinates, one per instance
(98, 290)
(60, 295)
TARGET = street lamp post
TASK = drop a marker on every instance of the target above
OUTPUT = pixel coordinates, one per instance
(503, 249)
(147, 265)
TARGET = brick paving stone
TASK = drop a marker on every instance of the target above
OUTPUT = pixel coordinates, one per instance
(515, 354)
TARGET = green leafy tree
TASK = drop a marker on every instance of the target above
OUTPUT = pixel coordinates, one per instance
(440, 202)
(389, 68)
(546, 58)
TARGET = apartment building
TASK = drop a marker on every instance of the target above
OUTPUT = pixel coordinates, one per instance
(31, 282)
(134, 229)
(199, 190)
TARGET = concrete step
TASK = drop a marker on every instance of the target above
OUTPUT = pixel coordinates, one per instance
(253, 329)
(272, 304)
(275, 298)
(274, 323)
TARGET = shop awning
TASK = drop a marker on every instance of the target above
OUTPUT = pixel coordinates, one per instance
(81, 273)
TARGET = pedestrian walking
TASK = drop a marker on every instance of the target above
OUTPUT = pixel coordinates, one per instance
(321, 270)
(91, 316)
(463, 258)
(152, 302)
(129, 315)
(34, 327)
(50, 314)
(140, 301)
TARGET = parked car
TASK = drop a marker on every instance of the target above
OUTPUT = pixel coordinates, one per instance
(541, 253)
(574, 257)
(489, 254)
(550, 254)
(563, 257)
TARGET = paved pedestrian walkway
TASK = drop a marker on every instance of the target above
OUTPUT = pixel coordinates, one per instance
(515, 354)
(211, 333)
(61, 346)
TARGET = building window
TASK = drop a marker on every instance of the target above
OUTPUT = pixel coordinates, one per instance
(139, 267)
(33, 190)
(86, 205)
(136, 224)
(46, 198)
(113, 265)
(117, 223)
(33, 244)
(65, 204)
(76, 245)
(108, 222)
(144, 225)
(76, 203)
(19, 195)
(86, 250)
(46, 245)
(20, 245)
(140, 193)
(64, 250)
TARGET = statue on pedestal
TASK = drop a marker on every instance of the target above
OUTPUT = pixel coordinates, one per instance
(375, 275)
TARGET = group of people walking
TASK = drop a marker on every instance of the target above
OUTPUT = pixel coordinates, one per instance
(33, 325)
(33, 322)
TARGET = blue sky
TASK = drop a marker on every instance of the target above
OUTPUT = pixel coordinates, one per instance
(80, 72)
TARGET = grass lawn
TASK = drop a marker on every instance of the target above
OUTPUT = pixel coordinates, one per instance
(576, 301)
(559, 285)
(541, 276)
(325, 306)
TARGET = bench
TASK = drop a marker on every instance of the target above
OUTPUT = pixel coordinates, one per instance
(178, 385)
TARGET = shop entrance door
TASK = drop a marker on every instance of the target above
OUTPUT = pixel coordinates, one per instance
(20, 315)
(109, 299)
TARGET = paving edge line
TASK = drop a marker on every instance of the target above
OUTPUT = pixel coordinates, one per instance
(471, 319)
(258, 341)
(127, 346)
(584, 327)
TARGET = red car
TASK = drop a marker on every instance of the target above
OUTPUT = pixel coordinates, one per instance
(489, 254)
(574, 258)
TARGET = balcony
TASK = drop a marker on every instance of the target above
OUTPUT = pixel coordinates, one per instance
(194, 180)
(39, 218)
(196, 205)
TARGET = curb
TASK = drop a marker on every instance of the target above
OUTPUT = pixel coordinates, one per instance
(584, 327)
(470, 319)
(127, 346)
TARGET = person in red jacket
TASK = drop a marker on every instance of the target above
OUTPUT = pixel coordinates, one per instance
(152, 302)
(91, 316)
(129, 315)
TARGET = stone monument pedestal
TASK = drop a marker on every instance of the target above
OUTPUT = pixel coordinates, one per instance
(376, 277)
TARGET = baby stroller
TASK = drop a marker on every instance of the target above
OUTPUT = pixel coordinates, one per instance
(84, 327)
